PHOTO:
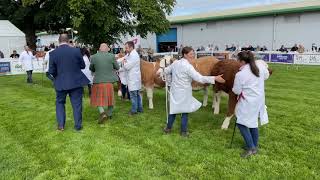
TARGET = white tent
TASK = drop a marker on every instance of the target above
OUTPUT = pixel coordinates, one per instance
(11, 38)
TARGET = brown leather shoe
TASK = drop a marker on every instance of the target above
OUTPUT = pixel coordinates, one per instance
(103, 118)
(167, 130)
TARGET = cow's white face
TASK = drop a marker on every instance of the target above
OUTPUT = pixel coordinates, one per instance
(165, 61)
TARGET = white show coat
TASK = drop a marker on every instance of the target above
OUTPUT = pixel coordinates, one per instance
(26, 58)
(181, 99)
(46, 60)
(122, 73)
(132, 67)
(251, 104)
(86, 71)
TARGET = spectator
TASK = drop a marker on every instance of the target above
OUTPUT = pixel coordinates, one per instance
(258, 48)
(233, 48)
(216, 48)
(314, 48)
(301, 49)
(27, 58)
(264, 48)
(14, 54)
(150, 54)
(294, 48)
(208, 47)
(250, 48)
(1, 55)
(227, 48)
(202, 48)
(283, 49)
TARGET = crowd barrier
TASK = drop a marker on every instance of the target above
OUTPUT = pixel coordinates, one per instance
(268, 56)
(9, 66)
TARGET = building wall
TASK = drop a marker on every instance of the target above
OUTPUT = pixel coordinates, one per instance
(271, 31)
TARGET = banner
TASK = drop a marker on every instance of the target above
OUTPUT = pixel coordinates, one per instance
(203, 54)
(282, 58)
(4, 68)
(307, 59)
(263, 56)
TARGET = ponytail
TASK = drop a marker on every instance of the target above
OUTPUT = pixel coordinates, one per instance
(248, 58)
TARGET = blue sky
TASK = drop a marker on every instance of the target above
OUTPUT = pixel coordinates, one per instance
(187, 7)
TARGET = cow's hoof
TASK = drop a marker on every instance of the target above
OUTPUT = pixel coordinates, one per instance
(224, 128)
(204, 105)
(215, 112)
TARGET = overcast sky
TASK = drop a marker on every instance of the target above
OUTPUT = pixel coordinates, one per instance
(187, 7)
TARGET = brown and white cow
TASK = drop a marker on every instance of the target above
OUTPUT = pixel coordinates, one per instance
(203, 65)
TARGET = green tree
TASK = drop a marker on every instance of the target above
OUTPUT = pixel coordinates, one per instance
(36, 15)
(96, 20)
(106, 20)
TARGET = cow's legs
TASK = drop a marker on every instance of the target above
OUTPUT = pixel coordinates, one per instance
(205, 96)
(150, 97)
(231, 107)
(216, 102)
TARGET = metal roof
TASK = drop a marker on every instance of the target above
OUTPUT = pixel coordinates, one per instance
(275, 9)
(7, 29)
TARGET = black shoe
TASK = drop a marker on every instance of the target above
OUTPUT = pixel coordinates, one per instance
(109, 117)
(140, 111)
(184, 134)
(78, 129)
(167, 130)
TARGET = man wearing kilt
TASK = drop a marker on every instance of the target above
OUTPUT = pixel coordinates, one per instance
(104, 65)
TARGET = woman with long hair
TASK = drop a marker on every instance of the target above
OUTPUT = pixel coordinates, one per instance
(181, 99)
(249, 86)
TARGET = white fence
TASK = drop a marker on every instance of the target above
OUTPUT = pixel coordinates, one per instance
(268, 56)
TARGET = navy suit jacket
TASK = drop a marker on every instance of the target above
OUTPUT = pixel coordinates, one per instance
(65, 64)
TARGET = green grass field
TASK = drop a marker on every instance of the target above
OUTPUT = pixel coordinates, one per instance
(135, 148)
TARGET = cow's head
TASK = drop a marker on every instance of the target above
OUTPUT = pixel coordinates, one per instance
(166, 61)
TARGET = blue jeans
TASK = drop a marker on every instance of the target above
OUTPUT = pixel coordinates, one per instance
(184, 121)
(135, 101)
(250, 136)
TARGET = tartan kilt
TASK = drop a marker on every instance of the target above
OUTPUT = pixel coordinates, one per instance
(102, 95)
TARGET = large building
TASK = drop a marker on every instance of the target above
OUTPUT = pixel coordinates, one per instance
(270, 25)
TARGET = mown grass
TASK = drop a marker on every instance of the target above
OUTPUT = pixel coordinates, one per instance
(135, 148)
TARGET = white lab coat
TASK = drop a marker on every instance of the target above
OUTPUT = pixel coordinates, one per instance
(132, 67)
(26, 58)
(122, 73)
(86, 71)
(251, 104)
(46, 60)
(181, 99)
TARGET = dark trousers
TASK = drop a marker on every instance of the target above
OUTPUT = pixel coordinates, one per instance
(136, 102)
(250, 136)
(29, 76)
(184, 121)
(125, 91)
(76, 102)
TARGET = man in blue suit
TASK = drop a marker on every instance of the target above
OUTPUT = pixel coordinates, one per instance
(65, 66)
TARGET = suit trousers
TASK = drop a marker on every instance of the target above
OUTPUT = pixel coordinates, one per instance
(76, 102)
